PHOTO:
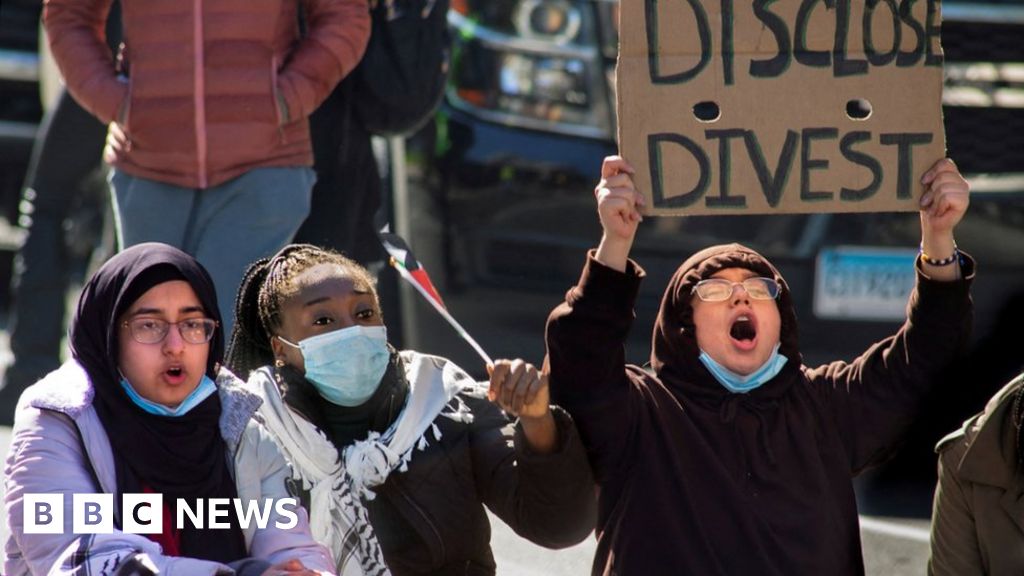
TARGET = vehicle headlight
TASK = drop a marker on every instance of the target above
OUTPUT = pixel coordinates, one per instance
(531, 63)
(558, 21)
(551, 20)
(555, 80)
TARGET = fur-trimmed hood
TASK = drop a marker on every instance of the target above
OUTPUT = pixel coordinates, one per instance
(68, 390)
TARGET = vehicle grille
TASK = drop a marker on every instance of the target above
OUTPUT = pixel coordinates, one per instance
(20, 25)
(986, 138)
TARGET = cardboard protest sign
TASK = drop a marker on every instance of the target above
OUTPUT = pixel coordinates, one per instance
(780, 106)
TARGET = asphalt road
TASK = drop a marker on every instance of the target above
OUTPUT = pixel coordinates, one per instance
(892, 547)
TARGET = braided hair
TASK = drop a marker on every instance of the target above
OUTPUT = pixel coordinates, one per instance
(267, 284)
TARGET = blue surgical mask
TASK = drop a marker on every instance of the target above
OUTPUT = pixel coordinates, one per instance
(346, 366)
(203, 391)
(737, 384)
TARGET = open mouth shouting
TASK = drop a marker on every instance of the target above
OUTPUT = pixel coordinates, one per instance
(743, 331)
(174, 374)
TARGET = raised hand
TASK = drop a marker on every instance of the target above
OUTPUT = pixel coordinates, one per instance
(519, 388)
(522, 390)
(618, 202)
(943, 205)
(945, 199)
(618, 207)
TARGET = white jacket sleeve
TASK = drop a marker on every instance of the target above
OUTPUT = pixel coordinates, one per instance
(46, 457)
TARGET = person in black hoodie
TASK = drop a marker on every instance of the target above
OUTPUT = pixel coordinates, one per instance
(732, 457)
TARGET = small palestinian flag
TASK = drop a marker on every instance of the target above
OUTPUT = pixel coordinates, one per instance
(402, 255)
(412, 272)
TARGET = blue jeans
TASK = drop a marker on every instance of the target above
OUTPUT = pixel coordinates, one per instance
(226, 227)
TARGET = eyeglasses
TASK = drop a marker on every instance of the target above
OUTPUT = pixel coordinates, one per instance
(718, 289)
(154, 330)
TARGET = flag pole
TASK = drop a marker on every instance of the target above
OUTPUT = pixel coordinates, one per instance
(404, 273)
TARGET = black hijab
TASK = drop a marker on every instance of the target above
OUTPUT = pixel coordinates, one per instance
(179, 457)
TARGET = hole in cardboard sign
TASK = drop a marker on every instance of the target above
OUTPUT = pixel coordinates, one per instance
(858, 109)
(707, 111)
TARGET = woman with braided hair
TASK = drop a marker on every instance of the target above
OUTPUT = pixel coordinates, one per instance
(396, 453)
(978, 515)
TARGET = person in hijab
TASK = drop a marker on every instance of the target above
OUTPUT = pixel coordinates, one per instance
(143, 407)
(978, 513)
(399, 452)
(730, 456)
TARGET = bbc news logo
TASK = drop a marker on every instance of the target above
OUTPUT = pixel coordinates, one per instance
(144, 513)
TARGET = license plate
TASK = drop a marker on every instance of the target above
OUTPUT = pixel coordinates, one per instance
(854, 283)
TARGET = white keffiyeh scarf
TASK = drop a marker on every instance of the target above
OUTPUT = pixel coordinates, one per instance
(338, 518)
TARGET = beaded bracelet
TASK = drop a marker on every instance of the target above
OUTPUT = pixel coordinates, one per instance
(943, 262)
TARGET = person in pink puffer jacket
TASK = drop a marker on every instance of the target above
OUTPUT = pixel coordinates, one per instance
(207, 105)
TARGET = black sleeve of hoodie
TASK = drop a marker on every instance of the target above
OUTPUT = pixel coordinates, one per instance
(586, 357)
(875, 398)
(549, 499)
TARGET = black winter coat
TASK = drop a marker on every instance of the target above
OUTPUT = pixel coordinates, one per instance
(430, 519)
